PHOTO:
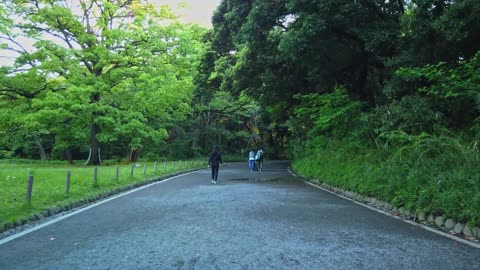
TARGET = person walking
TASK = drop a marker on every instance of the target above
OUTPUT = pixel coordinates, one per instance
(259, 159)
(214, 162)
(251, 160)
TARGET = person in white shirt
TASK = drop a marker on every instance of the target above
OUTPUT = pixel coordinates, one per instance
(259, 159)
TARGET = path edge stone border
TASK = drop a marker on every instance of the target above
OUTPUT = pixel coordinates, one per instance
(23, 224)
(435, 224)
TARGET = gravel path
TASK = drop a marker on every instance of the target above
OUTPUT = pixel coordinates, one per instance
(268, 220)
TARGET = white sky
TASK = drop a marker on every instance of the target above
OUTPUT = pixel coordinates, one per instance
(196, 11)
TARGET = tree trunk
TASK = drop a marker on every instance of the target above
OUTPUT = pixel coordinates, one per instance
(95, 145)
(262, 137)
(41, 150)
(69, 156)
(360, 83)
(133, 156)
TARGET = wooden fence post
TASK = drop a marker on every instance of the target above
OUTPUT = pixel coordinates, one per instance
(155, 167)
(165, 166)
(95, 171)
(144, 169)
(67, 185)
(117, 171)
(131, 169)
(29, 188)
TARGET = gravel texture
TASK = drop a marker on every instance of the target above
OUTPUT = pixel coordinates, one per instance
(268, 220)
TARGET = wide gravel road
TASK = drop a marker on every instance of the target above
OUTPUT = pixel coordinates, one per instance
(268, 220)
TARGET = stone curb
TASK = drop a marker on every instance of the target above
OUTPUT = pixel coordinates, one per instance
(439, 224)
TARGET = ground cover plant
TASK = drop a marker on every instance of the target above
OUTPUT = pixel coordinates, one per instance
(408, 177)
(49, 186)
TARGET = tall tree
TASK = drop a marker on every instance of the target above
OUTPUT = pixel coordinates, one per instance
(126, 67)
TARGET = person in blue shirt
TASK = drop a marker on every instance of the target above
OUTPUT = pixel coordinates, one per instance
(251, 160)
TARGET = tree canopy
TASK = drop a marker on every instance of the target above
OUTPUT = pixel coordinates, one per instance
(98, 72)
(122, 76)
(382, 53)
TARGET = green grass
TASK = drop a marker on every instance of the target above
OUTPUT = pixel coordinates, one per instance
(438, 184)
(49, 186)
(233, 158)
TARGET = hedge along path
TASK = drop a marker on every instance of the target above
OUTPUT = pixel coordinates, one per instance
(351, 197)
(49, 188)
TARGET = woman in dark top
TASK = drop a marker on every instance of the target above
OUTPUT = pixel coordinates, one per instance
(214, 162)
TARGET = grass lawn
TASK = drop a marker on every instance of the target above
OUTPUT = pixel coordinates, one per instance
(49, 185)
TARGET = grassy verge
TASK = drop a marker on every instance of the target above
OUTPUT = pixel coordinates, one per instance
(434, 183)
(49, 186)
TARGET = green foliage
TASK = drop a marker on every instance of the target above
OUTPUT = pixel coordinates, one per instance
(222, 121)
(412, 114)
(454, 90)
(108, 74)
(443, 150)
(341, 42)
(334, 114)
(441, 30)
(430, 180)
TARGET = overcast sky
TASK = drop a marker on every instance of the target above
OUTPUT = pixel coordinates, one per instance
(196, 11)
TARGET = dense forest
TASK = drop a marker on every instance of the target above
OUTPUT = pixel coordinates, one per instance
(380, 97)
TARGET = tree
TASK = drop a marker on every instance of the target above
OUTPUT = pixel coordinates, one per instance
(121, 69)
(17, 93)
(274, 50)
